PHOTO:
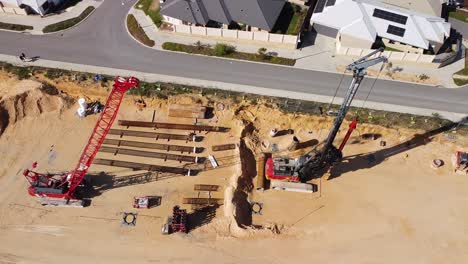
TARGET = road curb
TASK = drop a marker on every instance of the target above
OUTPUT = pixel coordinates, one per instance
(152, 77)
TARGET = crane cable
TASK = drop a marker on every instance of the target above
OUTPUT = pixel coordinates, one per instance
(337, 89)
(370, 91)
(334, 96)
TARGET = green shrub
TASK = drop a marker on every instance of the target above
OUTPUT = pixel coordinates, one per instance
(459, 15)
(23, 73)
(49, 89)
(145, 5)
(69, 22)
(137, 31)
(423, 77)
(222, 49)
(172, 46)
(15, 27)
(155, 16)
(54, 73)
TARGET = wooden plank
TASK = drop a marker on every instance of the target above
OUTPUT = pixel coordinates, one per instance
(223, 147)
(214, 201)
(138, 144)
(141, 166)
(187, 111)
(206, 187)
(148, 154)
(132, 133)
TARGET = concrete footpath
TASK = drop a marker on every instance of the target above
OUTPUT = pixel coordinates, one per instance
(38, 22)
(151, 77)
(318, 57)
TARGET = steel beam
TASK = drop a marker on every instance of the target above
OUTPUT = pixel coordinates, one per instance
(142, 166)
(129, 123)
(148, 154)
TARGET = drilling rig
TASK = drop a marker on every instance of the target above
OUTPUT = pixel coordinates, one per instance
(65, 189)
(318, 160)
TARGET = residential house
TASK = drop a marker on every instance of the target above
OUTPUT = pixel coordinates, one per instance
(40, 7)
(364, 23)
(257, 14)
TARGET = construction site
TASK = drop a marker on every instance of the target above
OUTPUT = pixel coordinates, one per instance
(92, 172)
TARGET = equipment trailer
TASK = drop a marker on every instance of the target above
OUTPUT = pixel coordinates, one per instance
(64, 189)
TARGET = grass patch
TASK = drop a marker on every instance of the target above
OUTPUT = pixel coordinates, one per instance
(154, 14)
(69, 22)
(392, 49)
(15, 27)
(290, 20)
(459, 15)
(464, 72)
(137, 31)
(20, 72)
(460, 82)
(226, 51)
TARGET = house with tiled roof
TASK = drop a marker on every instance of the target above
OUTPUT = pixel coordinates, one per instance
(261, 14)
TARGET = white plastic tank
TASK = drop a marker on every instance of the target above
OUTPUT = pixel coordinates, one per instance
(82, 103)
(82, 109)
(81, 112)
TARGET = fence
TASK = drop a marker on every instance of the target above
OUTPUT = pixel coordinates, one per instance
(392, 56)
(261, 36)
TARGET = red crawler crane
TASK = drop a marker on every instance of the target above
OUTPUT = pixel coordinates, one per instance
(63, 189)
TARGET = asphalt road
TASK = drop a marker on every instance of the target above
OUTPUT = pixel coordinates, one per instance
(102, 40)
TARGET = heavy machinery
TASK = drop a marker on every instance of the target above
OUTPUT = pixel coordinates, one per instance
(315, 162)
(460, 162)
(64, 189)
(177, 222)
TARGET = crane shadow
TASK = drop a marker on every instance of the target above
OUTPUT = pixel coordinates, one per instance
(101, 182)
(371, 159)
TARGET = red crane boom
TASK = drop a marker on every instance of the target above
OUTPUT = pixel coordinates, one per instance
(52, 187)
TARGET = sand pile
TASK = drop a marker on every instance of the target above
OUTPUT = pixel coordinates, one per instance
(27, 99)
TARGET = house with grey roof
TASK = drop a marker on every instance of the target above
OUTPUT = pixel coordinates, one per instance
(261, 14)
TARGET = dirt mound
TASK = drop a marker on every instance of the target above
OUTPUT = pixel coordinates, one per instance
(28, 99)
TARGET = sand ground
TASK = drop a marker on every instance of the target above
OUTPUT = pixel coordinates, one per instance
(391, 207)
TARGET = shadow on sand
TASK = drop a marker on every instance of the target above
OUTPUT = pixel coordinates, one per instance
(371, 159)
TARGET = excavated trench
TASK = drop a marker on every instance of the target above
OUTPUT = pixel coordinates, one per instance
(240, 199)
(4, 118)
